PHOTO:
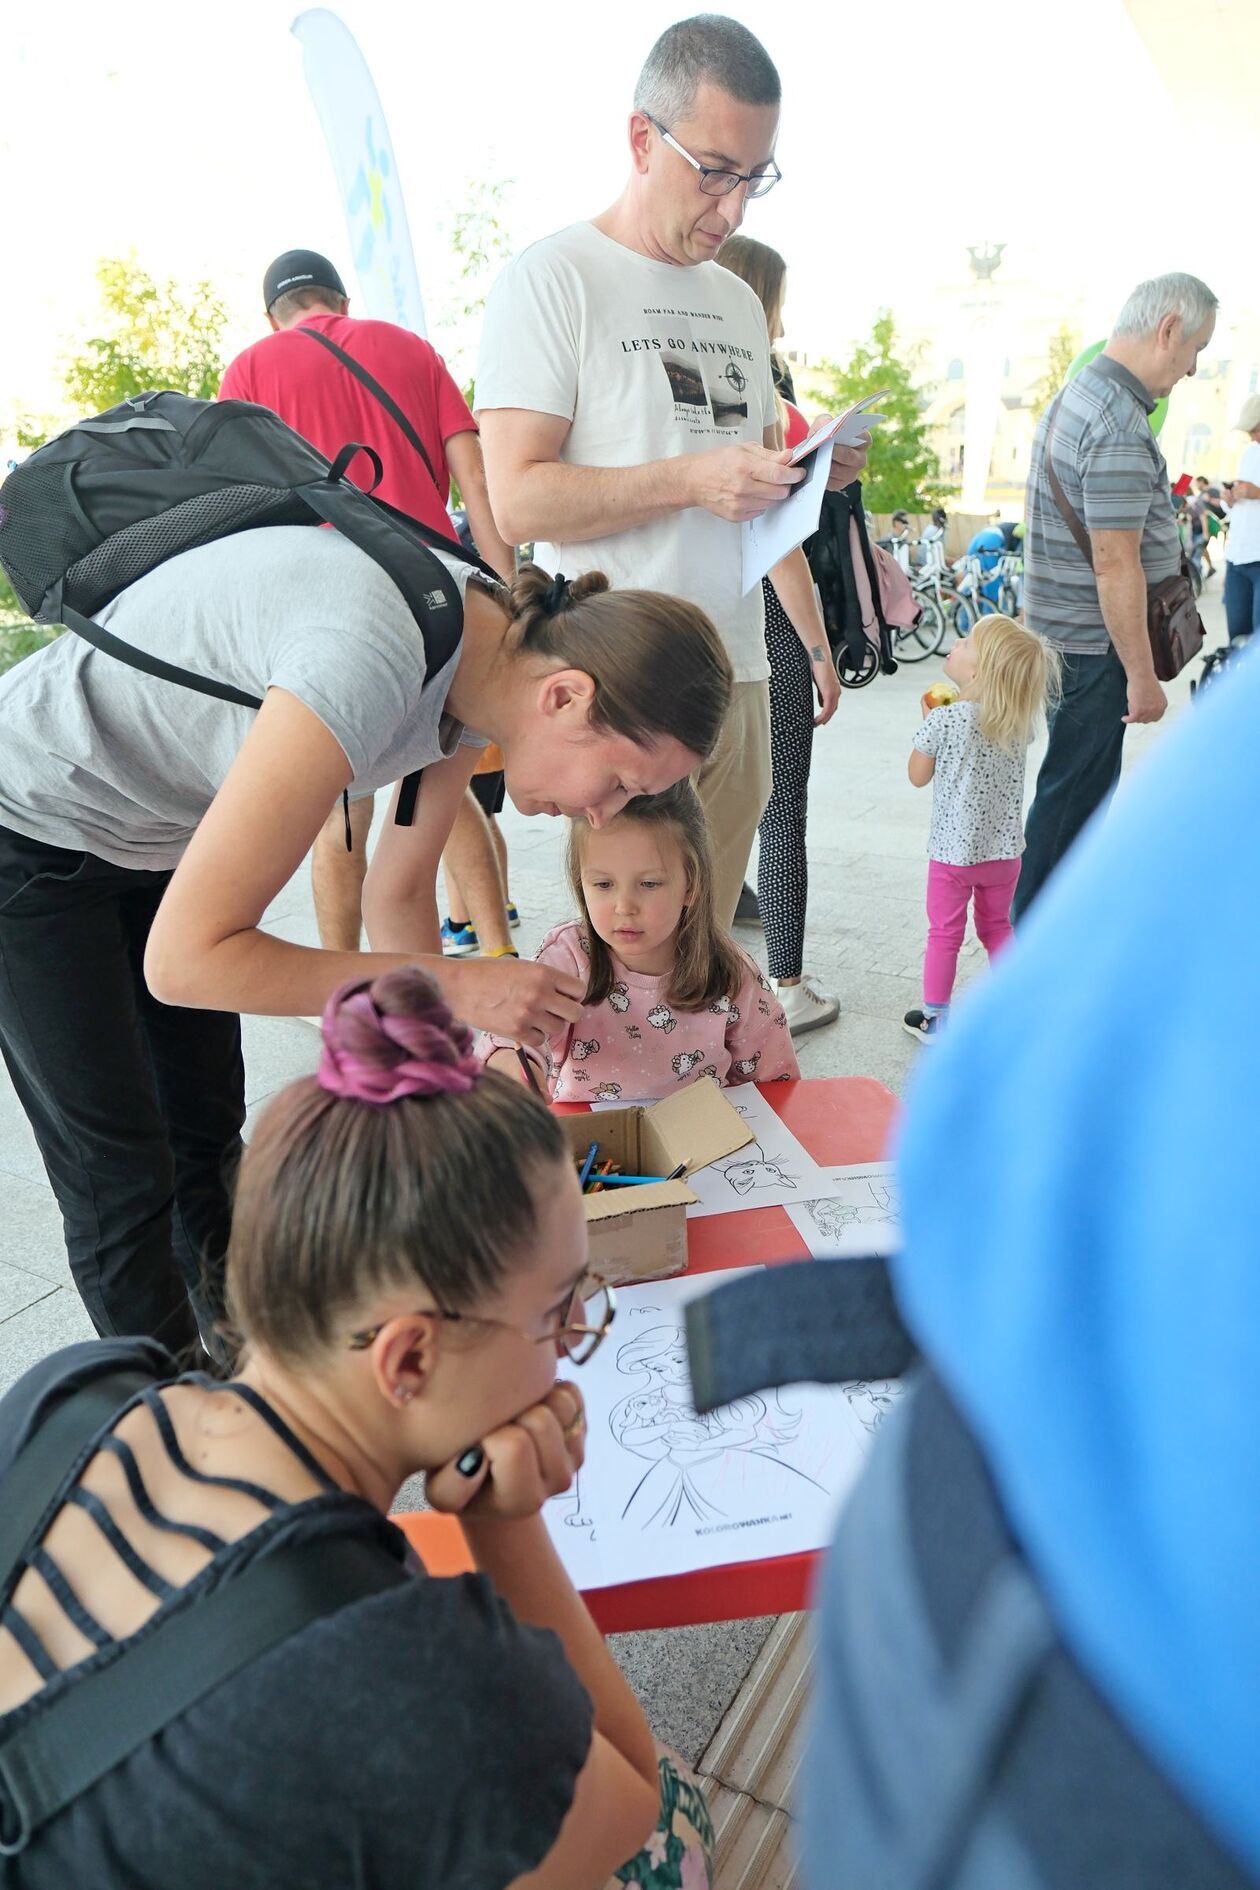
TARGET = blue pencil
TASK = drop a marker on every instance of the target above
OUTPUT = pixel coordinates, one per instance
(631, 1181)
(584, 1173)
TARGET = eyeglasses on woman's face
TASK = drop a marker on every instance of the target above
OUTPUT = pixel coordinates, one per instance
(577, 1326)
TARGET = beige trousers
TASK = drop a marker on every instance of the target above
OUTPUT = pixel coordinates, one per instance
(734, 785)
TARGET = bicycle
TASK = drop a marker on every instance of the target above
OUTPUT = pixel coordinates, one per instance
(913, 642)
(970, 602)
(1010, 569)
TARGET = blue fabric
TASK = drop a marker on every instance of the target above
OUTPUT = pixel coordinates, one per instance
(1082, 1258)
(987, 545)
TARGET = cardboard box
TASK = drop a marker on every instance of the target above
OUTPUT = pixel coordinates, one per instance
(641, 1233)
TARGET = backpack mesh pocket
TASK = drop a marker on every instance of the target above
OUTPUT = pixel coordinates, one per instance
(128, 554)
(41, 530)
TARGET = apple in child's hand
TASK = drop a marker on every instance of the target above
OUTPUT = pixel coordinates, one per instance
(939, 695)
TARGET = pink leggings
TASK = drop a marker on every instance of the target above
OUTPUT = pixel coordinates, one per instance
(950, 890)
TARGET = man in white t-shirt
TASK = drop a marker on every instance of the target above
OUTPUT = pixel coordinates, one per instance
(624, 394)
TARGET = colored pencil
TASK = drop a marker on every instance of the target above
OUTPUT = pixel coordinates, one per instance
(528, 1068)
(588, 1162)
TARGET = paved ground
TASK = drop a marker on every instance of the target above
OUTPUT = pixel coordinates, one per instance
(867, 836)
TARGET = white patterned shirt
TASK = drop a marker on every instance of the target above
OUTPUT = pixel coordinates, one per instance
(977, 790)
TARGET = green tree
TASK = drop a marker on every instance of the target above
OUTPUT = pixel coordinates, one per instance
(481, 243)
(1063, 347)
(901, 468)
(152, 334)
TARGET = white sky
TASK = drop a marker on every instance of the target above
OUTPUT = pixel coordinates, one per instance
(187, 134)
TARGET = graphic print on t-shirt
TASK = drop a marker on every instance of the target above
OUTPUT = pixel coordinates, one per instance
(708, 378)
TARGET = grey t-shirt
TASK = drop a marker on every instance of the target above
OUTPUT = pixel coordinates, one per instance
(100, 757)
(1113, 474)
(977, 789)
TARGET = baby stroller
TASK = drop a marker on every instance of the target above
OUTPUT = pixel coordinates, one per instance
(852, 600)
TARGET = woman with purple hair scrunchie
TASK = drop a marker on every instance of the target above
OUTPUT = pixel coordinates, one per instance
(375, 1054)
(410, 1291)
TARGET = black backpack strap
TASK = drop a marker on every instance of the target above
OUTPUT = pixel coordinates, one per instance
(451, 547)
(378, 393)
(96, 1722)
(152, 665)
(408, 795)
(32, 1486)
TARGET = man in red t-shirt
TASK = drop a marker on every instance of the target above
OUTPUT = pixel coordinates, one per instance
(319, 397)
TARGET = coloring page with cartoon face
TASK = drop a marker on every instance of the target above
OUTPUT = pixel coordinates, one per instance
(772, 1171)
(861, 1213)
(665, 1490)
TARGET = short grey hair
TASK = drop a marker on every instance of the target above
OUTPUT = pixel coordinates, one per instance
(1190, 300)
(708, 46)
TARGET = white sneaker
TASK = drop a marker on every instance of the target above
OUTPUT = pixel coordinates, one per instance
(806, 1007)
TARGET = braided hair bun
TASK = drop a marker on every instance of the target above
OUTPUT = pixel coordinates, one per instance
(392, 1036)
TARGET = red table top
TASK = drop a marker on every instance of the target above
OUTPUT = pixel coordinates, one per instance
(839, 1119)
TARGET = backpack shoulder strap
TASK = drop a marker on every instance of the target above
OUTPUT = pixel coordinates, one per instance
(95, 1723)
(451, 547)
(152, 665)
(32, 1485)
(379, 394)
(1067, 511)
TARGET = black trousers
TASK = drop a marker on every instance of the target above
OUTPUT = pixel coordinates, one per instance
(1080, 769)
(137, 1106)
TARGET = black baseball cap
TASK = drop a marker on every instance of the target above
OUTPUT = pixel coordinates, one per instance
(299, 269)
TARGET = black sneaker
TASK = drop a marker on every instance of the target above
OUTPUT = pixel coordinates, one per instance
(922, 1025)
(747, 911)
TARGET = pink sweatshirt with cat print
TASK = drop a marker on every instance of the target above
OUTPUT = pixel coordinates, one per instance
(634, 1048)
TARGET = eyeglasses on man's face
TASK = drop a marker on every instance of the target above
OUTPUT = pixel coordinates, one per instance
(719, 183)
(581, 1322)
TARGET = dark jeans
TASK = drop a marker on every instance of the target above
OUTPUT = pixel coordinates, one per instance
(1242, 599)
(1081, 767)
(137, 1106)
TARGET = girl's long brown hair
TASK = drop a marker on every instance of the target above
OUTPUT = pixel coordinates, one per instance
(707, 965)
(765, 272)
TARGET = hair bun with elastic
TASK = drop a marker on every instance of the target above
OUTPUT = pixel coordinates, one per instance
(390, 1037)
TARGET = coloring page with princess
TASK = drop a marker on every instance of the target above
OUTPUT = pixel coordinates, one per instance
(664, 1490)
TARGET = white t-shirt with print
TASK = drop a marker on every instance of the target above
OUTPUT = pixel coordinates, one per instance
(977, 789)
(1243, 544)
(647, 360)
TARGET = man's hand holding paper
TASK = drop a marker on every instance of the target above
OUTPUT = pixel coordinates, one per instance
(739, 482)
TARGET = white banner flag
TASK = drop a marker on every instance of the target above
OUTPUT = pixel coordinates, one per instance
(367, 177)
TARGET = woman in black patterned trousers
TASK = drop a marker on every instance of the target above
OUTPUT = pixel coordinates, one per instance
(798, 671)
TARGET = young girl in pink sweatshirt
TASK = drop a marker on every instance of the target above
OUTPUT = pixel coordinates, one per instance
(670, 997)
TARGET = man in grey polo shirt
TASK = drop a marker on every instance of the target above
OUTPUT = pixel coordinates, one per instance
(1113, 474)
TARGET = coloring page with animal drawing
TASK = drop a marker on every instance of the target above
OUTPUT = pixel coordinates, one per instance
(663, 1490)
(773, 1171)
(861, 1213)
